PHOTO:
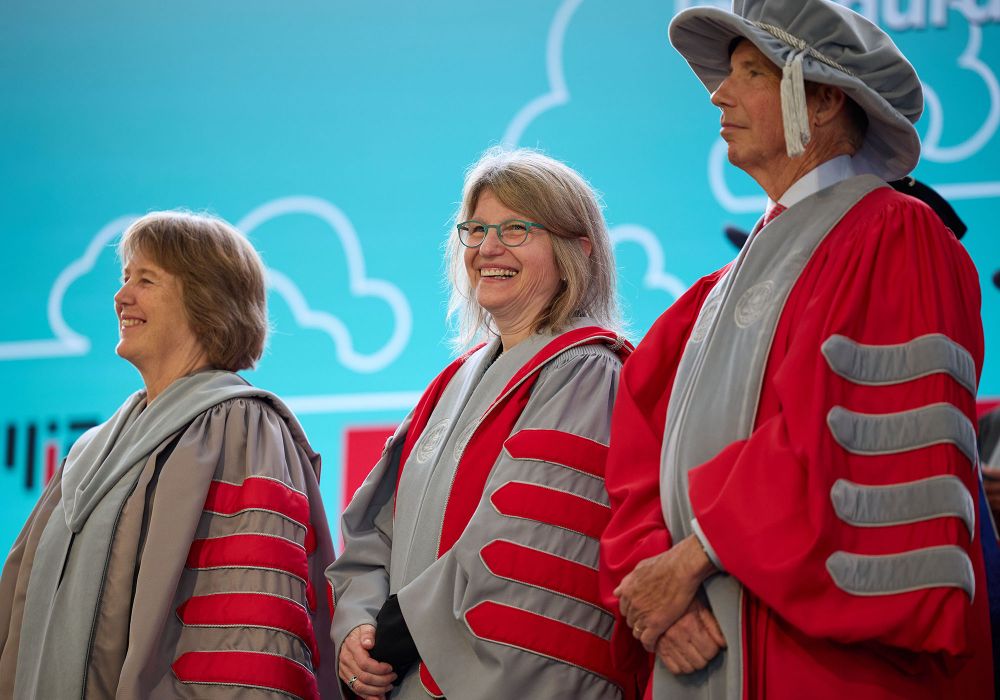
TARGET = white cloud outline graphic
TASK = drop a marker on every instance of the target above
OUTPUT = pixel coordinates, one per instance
(932, 148)
(558, 93)
(358, 284)
(67, 342)
(654, 277)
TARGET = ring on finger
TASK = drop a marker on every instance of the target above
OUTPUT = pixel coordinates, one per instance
(350, 683)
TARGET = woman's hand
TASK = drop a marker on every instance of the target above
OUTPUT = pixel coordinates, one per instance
(691, 642)
(364, 675)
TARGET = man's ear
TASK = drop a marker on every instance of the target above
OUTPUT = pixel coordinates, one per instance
(586, 245)
(828, 101)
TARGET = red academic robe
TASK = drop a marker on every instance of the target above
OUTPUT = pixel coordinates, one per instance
(889, 272)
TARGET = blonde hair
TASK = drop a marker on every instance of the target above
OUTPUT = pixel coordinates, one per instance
(221, 276)
(557, 197)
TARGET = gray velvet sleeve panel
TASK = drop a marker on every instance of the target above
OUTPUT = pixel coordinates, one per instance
(360, 575)
(261, 534)
(459, 609)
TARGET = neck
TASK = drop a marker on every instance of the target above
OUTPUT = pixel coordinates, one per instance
(511, 335)
(775, 181)
(159, 378)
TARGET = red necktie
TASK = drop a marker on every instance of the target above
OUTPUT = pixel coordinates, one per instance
(773, 213)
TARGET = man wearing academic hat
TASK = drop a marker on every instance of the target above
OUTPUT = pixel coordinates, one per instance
(793, 453)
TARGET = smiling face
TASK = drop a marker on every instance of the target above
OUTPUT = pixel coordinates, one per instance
(750, 100)
(515, 285)
(155, 334)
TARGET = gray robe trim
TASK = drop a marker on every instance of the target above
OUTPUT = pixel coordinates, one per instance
(894, 364)
(100, 473)
(729, 347)
(899, 504)
(930, 567)
(892, 433)
(573, 394)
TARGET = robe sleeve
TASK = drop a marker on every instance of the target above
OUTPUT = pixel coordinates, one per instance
(636, 529)
(359, 579)
(513, 607)
(249, 614)
(850, 509)
(15, 577)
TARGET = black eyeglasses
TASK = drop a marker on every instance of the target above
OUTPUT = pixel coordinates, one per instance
(512, 232)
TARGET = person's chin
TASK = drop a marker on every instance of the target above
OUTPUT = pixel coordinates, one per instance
(124, 351)
(492, 300)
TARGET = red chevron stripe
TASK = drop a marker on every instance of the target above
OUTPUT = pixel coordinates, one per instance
(249, 551)
(543, 570)
(258, 493)
(542, 635)
(248, 669)
(250, 610)
(547, 505)
(430, 685)
(558, 447)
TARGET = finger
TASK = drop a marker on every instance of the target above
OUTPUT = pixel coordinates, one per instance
(706, 647)
(365, 690)
(377, 668)
(648, 637)
(684, 642)
(376, 680)
(666, 656)
(695, 658)
(677, 664)
(710, 624)
(348, 667)
(624, 605)
(367, 635)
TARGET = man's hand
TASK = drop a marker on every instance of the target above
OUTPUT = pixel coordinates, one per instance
(691, 642)
(371, 679)
(660, 589)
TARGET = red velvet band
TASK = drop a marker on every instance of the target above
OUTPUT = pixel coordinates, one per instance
(547, 505)
(430, 685)
(258, 493)
(250, 552)
(247, 668)
(262, 493)
(519, 628)
(557, 447)
(250, 610)
(543, 570)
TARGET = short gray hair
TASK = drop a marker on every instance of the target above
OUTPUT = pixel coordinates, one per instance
(556, 196)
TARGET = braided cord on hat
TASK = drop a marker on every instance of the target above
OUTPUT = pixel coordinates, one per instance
(794, 112)
(801, 45)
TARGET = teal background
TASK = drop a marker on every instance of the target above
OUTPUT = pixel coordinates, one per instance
(352, 123)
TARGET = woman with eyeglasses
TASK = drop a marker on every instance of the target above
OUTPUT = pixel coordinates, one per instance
(470, 561)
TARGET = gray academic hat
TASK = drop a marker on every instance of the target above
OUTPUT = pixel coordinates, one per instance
(822, 42)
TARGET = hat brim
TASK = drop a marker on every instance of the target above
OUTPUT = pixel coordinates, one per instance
(703, 35)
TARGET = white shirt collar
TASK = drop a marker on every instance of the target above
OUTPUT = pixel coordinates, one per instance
(822, 176)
